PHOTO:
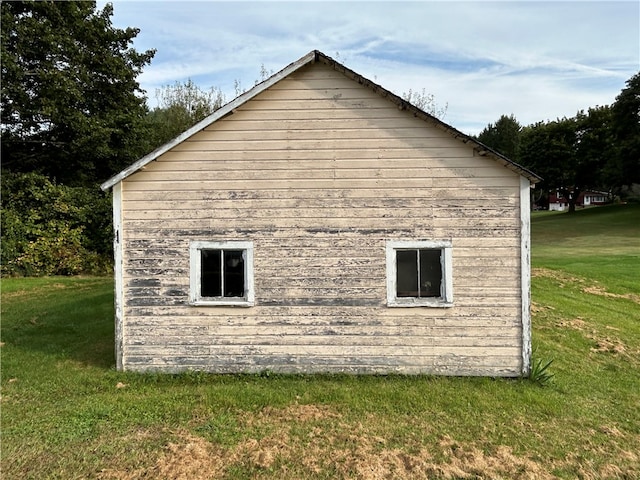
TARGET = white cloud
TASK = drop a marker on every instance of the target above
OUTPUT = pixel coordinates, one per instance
(537, 60)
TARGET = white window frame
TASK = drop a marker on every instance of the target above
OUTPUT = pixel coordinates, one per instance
(446, 259)
(195, 273)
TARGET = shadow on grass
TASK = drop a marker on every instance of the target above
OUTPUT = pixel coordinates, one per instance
(69, 319)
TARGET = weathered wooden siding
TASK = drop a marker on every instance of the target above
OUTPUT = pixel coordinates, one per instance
(319, 172)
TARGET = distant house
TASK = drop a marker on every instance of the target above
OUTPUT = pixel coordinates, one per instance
(557, 202)
(320, 223)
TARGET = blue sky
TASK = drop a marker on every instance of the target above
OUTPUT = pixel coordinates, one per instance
(533, 59)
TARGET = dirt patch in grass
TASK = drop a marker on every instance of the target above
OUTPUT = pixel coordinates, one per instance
(574, 324)
(609, 345)
(537, 308)
(586, 285)
(189, 458)
(295, 413)
(604, 344)
(467, 461)
(598, 290)
(276, 456)
(307, 441)
(561, 277)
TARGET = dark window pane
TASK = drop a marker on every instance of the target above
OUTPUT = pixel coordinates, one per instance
(233, 273)
(211, 273)
(407, 273)
(430, 273)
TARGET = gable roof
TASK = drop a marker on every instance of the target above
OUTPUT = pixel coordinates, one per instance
(316, 56)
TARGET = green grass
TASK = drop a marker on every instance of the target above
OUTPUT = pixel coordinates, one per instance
(66, 412)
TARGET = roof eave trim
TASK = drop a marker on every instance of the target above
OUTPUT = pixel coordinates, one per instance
(483, 150)
(218, 114)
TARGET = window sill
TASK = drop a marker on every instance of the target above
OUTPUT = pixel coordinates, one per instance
(419, 303)
(222, 303)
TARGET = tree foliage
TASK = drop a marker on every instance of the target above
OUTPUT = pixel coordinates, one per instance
(53, 229)
(72, 113)
(503, 136)
(426, 102)
(596, 149)
(71, 106)
(547, 149)
(625, 126)
(180, 106)
(571, 154)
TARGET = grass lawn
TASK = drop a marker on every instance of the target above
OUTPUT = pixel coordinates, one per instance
(67, 414)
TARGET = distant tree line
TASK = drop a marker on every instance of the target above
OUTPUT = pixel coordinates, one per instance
(597, 149)
(73, 115)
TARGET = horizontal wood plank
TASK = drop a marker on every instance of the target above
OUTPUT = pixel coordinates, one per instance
(445, 197)
(137, 339)
(322, 350)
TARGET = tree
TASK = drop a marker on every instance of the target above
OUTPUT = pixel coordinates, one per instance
(570, 154)
(71, 106)
(425, 102)
(548, 150)
(503, 136)
(594, 148)
(625, 126)
(180, 106)
(53, 229)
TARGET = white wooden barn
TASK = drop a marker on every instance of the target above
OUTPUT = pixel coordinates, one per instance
(320, 223)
